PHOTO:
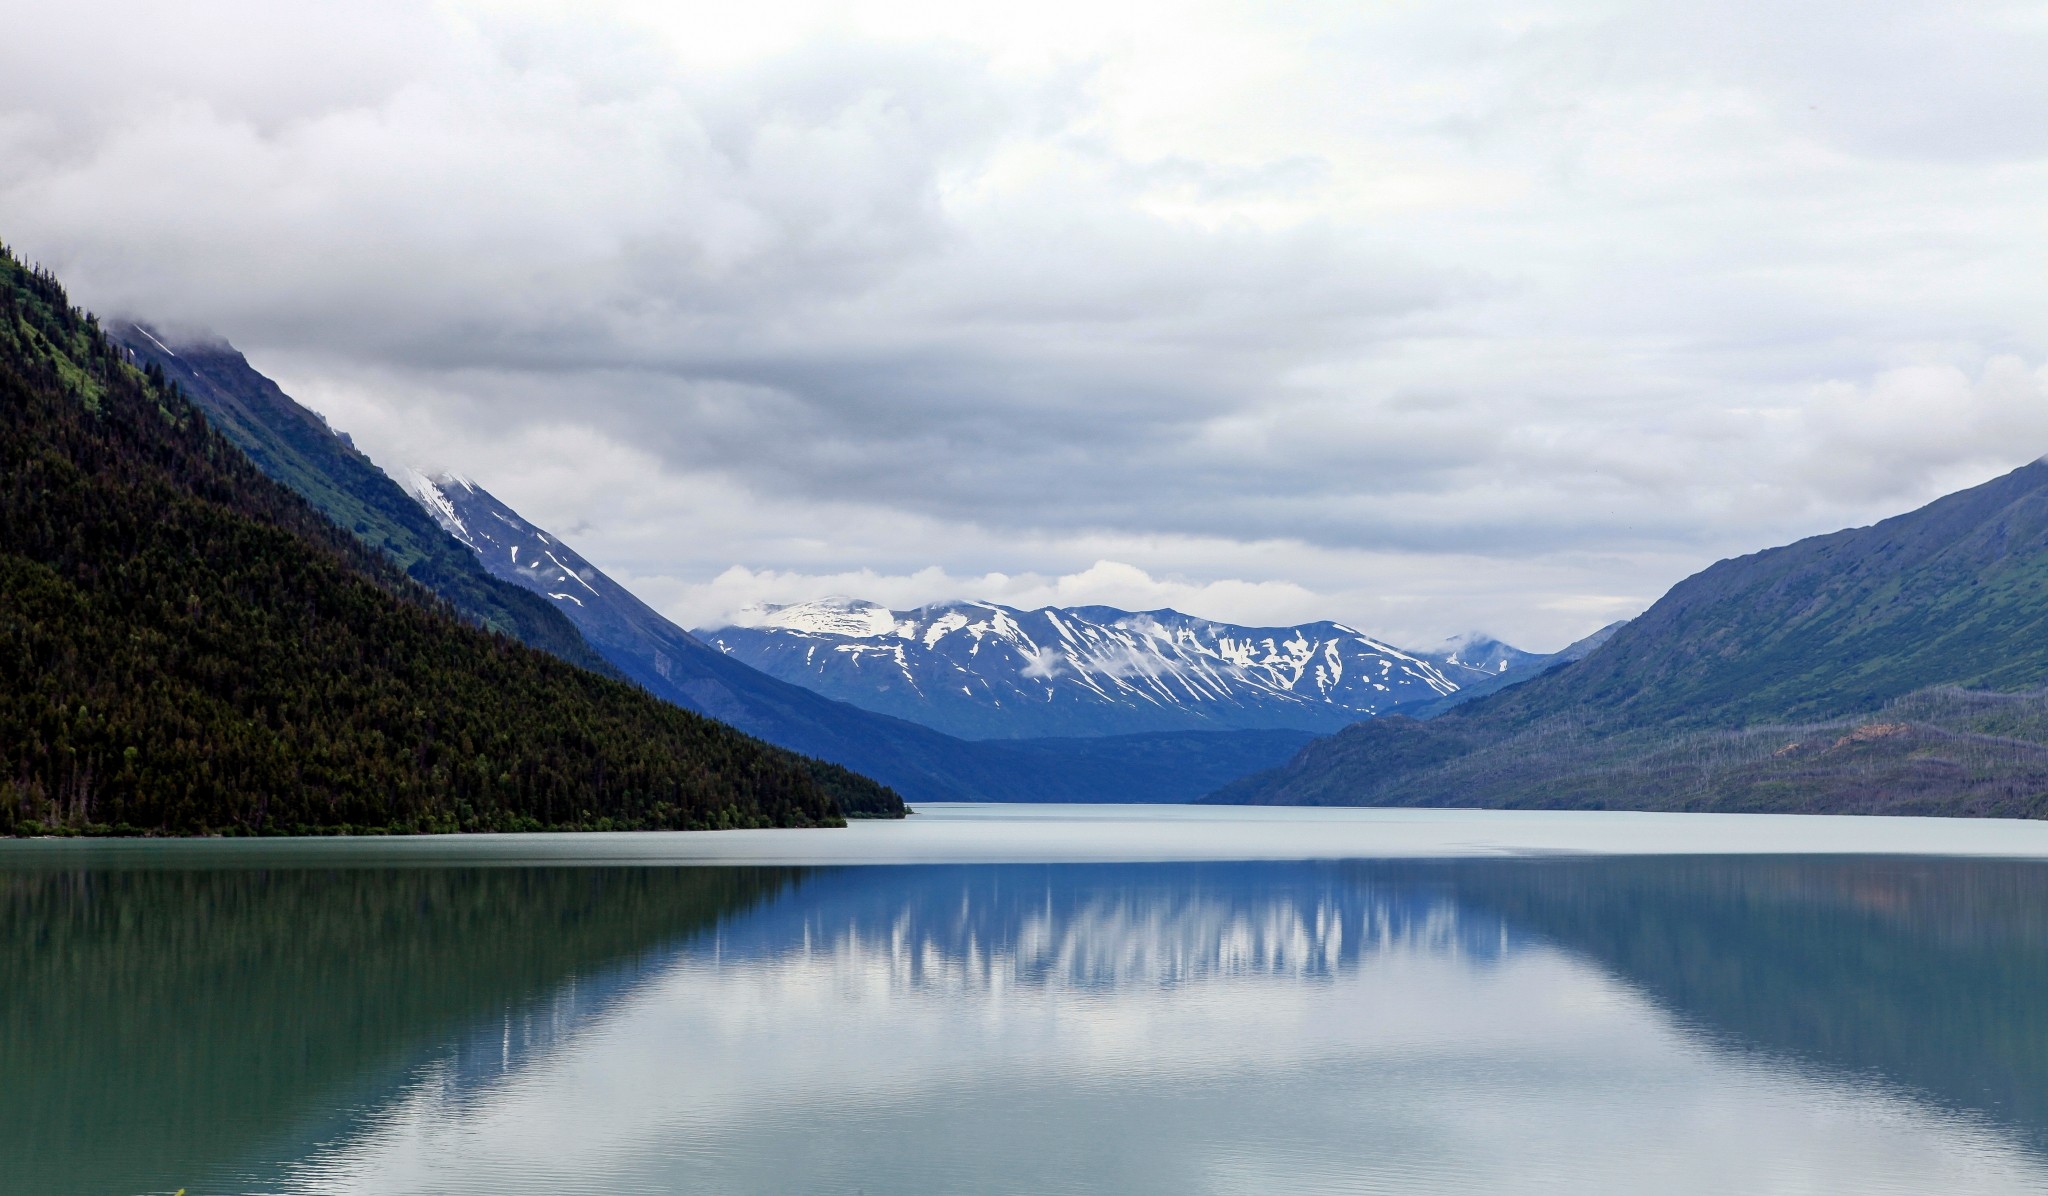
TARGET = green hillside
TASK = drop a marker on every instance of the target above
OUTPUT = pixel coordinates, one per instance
(1894, 668)
(1955, 593)
(296, 447)
(186, 647)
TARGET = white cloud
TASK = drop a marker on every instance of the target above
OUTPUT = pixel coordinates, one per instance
(1043, 663)
(1934, 425)
(1104, 583)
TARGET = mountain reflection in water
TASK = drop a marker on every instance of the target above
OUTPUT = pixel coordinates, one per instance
(1691, 1024)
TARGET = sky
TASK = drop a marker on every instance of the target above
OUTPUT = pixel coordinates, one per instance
(1428, 318)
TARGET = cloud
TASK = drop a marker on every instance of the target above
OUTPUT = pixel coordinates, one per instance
(1933, 425)
(1419, 317)
(1104, 583)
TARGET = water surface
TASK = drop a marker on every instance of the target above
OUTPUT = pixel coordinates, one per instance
(420, 1017)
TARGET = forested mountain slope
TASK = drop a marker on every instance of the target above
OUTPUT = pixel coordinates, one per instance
(295, 446)
(186, 646)
(1889, 667)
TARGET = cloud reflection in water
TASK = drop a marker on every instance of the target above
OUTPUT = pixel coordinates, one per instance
(1165, 1028)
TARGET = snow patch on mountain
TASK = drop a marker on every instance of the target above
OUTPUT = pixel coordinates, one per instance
(826, 616)
(430, 494)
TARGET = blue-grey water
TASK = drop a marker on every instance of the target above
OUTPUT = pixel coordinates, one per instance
(1079, 1000)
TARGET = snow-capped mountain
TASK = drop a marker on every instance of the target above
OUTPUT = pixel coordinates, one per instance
(921, 763)
(985, 671)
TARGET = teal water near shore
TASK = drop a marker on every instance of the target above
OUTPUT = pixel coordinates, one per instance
(1077, 1000)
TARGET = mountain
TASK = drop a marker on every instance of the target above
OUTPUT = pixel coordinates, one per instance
(922, 763)
(296, 447)
(187, 646)
(1486, 655)
(1513, 667)
(985, 671)
(1896, 667)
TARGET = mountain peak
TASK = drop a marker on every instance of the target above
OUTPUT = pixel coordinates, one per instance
(1480, 651)
(834, 615)
(431, 495)
(173, 340)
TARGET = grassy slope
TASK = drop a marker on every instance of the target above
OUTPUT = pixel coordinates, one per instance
(1955, 593)
(1692, 705)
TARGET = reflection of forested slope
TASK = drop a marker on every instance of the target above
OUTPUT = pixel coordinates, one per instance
(1109, 925)
(1932, 973)
(154, 1023)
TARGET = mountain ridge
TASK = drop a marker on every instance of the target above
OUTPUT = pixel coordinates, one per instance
(295, 445)
(1896, 667)
(984, 670)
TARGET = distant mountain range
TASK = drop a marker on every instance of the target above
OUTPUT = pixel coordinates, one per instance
(986, 671)
(923, 763)
(1892, 668)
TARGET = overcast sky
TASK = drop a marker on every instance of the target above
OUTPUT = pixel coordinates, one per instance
(1423, 316)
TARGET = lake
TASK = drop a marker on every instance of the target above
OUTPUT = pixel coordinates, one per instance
(1039, 1000)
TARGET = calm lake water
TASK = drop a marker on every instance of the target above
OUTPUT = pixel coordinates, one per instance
(1039, 1001)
